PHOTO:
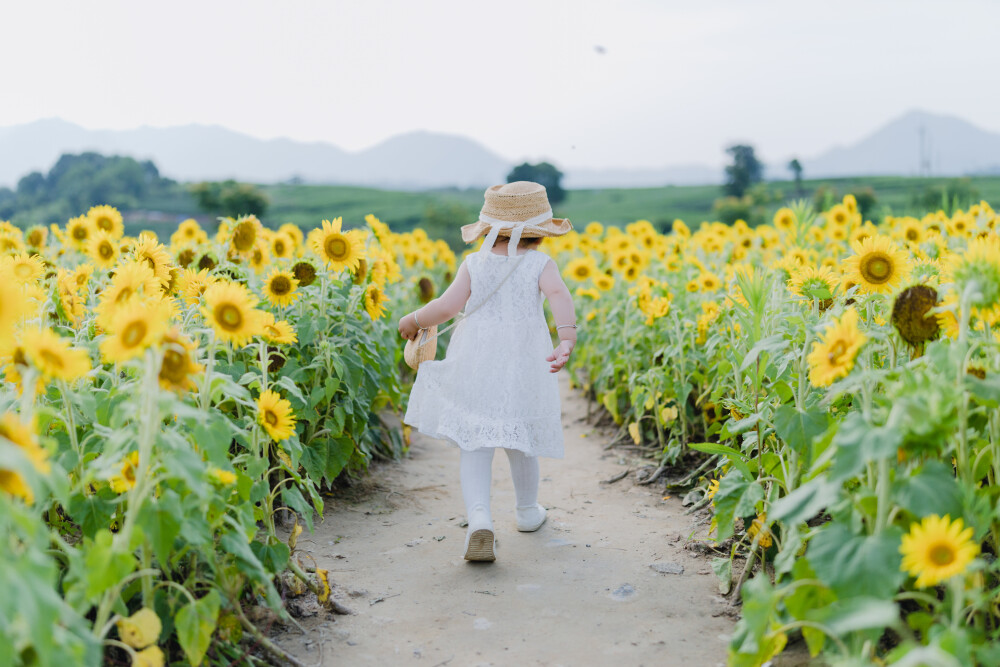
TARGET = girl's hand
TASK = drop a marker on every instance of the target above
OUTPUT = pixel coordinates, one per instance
(559, 356)
(408, 327)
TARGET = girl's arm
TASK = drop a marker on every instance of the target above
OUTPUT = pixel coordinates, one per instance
(441, 309)
(561, 304)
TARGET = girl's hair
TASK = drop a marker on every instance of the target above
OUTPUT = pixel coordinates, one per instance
(530, 243)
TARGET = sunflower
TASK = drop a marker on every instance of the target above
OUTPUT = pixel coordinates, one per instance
(23, 268)
(979, 268)
(338, 249)
(279, 332)
(304, 272)
(103, 250)
(713, 488)
(580, 269)
(22, 435)
(603, 281)
(208, 261)
(229, 309)
(759, 526)
(937, 549)
(280, 288)
(813, 282)
(425, 289)
(191, 284)
(150, 251)
(188, 232)
(108, 220)
(294, 232)
(708, 282)
(878, 265)
(785, 219)
(911, 231)
(125, 480)
(178, 368)
(245, 235)
(839, 215)
(375, 300)
(136, 326)
(275, 415)
(132, 280)
(53, 356)
(832, 356)
(78, 231)
(281, 245)
(37, 236)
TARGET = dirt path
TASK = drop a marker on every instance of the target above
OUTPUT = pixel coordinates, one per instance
(580, 591)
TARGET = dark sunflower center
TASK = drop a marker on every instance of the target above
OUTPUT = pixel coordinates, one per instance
(279, 248)
(229, 317)
(105, 224)
(134, 333)
(79, 232)
(271, 418)
(877, 269)
(244, 237)
(280, 286)
(941, 554)
(836, 352)
(106, 251)
(35, 238)
(124, 295)
(912, 235)
(582, 272)
(336, 248)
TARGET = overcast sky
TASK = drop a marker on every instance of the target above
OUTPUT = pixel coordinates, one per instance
(586, 83)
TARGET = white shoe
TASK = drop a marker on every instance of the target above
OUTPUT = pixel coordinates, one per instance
(480, 542)
(530, 519)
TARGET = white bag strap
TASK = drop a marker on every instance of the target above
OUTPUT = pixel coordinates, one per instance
(462, 316)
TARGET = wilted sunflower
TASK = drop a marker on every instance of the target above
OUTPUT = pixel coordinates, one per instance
(375, 300)
(208, 261)
(304, 272)
(21, 435)
(280, 288)
(937, 549)
(244, 238)
(178, 368)
(135, 327)
(278, 332)
(229, 309)
(878, 265)
(185, 257)
(78, 231)
(103, 250)
(340, 250)
(832, 356)
(53, 356)
(425, 287)
(275, 414)
(23, 268)
(910, 314)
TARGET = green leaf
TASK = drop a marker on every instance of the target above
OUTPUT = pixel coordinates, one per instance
(933, 490)
(797, 427)
(736, 497)
(805, 502)
(274, 557)
(195, 625)
(161, 524)
(734, 456)
(723, 569)
(855, 614)
(857, 565)
(774, 343)
(91, 513)
(105, 567)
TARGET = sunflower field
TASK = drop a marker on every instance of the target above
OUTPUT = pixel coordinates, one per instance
(831, 389)
(166, 406)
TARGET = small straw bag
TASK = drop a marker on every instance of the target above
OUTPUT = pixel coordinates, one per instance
(424, 346)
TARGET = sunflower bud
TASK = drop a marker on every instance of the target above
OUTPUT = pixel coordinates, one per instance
(185, 257)
(360, 272)
(140, 629)
(207, 262)
(910, 314)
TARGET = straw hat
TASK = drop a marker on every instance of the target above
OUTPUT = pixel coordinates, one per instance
(522, 206)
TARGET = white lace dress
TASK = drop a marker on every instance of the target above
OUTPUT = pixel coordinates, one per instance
(494, 388)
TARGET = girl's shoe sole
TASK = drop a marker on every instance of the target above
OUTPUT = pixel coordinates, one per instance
(481, 546)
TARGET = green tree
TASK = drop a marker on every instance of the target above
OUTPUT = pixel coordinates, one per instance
(796, 168)
(745, 170)
(230, 198)
(543, 173)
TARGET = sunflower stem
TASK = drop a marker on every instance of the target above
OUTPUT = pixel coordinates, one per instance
(263, 365)
(204, 396)
(70, 426)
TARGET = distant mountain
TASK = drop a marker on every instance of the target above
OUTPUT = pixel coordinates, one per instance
(416, 160)
(951, 147)
(695, 174)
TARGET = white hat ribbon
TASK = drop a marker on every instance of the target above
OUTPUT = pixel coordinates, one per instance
(516, 229)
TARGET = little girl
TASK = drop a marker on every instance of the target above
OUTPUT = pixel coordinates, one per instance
(494, 388)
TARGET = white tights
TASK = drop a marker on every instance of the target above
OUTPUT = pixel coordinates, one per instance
(476, 469)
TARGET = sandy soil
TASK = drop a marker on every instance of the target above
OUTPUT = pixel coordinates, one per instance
(580, 591)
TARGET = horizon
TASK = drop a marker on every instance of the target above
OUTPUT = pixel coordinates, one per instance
(637, 85)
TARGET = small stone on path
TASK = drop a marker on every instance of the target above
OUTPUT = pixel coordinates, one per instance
(667, 568)
(623, 592)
